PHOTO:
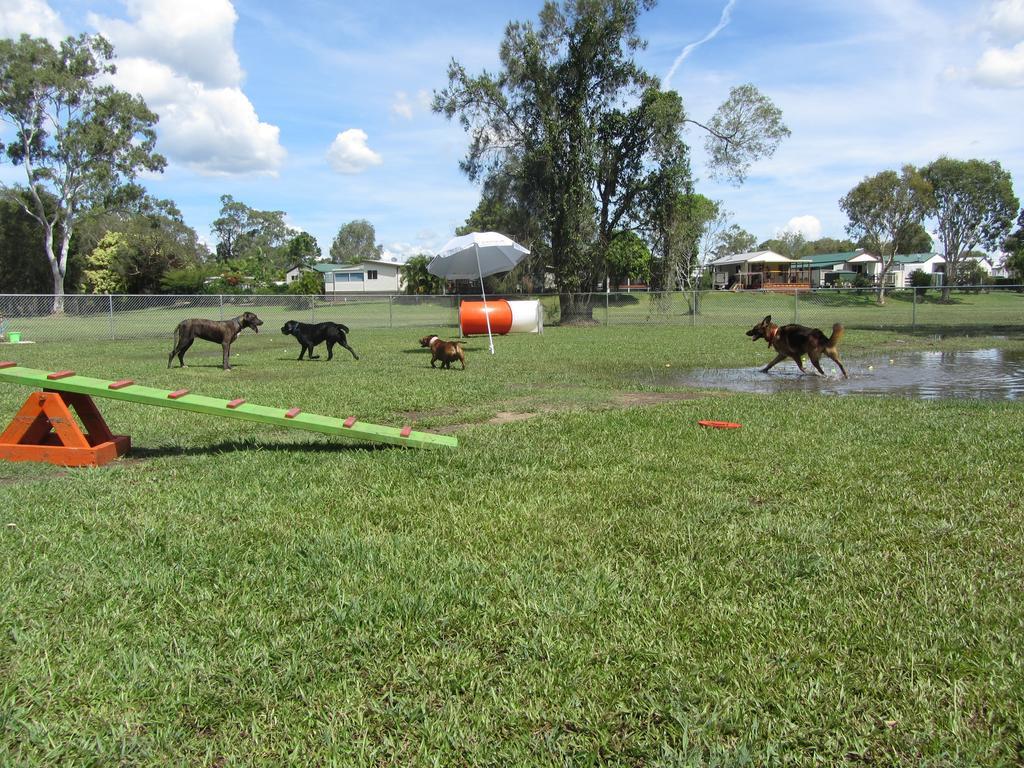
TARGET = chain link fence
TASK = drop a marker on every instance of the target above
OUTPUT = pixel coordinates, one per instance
(134, 317)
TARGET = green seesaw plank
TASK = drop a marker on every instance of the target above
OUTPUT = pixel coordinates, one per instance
(136, 393)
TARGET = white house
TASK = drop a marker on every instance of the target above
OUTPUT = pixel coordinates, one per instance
(999, 265)
(993, 265)
(370, 276)
(833, 269)
(765, 270)
(905, 265)
(294, 274)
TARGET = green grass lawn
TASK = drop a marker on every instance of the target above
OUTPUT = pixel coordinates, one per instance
(584, 581)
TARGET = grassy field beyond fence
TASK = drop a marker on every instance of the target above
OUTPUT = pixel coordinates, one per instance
(137, 317)
(589, 579)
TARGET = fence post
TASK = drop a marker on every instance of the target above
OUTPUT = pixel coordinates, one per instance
(312, 308)
(693, 309)
(607, 301)
(110, 302)
(221, 297)
(390, 320)
(913, 311)
(796, 306)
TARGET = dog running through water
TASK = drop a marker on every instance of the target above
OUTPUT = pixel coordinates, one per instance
(795, 341)
(445, 351)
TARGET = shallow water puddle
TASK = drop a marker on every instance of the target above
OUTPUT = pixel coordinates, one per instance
(988, 374)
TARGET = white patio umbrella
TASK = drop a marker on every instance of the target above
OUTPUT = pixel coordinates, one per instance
(477, 255)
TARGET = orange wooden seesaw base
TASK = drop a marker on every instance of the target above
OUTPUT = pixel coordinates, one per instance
(45, 430)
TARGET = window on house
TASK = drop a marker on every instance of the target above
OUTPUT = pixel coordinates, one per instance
(371, 274)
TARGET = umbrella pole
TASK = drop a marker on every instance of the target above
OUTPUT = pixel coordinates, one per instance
(487, 313)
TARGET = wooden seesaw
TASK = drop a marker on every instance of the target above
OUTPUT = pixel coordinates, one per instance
(45, 429)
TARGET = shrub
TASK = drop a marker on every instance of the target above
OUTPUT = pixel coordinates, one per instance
(921, 281)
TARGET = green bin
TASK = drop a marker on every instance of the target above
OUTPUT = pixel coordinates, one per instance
(14, 337)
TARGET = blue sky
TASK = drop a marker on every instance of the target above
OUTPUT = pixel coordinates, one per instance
(321, 108)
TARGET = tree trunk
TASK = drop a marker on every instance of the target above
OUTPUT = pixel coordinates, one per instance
(886, 268)
(576, 309)
(947, 280)
(57, 307)
(58, 267)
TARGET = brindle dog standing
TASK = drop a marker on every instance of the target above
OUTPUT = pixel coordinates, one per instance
(795, 341)
(221, 332)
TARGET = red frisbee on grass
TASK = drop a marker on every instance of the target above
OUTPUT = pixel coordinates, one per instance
(720, 424)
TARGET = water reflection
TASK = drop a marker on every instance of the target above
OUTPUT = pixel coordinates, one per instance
(989, 374)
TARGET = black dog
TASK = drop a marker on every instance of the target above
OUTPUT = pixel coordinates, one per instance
(221, 332)
(311, 334)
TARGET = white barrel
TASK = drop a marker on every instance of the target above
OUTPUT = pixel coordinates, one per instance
(527, 316)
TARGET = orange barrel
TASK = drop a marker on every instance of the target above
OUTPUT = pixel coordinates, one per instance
(527, 316)
(473, 317)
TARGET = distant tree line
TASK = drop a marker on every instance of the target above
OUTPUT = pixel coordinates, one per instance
(578, 151)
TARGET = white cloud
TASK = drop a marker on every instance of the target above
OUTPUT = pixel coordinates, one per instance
(399, 252)
(193, 37)
(1007, 20)
(427, 243)
(214, 131)
(33, 17)
(401, 105)
(404, 107)
(349, 153)
(1001, 68)
(1002, 64)
(808, 226)
(181, 59)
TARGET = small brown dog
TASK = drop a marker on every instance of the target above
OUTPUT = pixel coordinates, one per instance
(795, 341)
(445, 351)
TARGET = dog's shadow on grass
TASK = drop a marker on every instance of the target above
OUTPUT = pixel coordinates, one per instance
(233, 446)
(425, 351)
(205, 365)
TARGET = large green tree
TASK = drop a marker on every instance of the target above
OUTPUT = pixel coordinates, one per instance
(22, 270)
(303, 250)
(831, 245)
(883, 211)
(1014, 247)
(915, 239)
(685, 240)
(153, 239)
(791, 243)
(230, 226)
(973, 204)
(734, 239)
(593, 143)
(256, 242)
(629, 260)
(75, 138)
(355, 242)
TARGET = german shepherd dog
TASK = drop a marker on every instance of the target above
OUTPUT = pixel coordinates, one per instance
(795, 341)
